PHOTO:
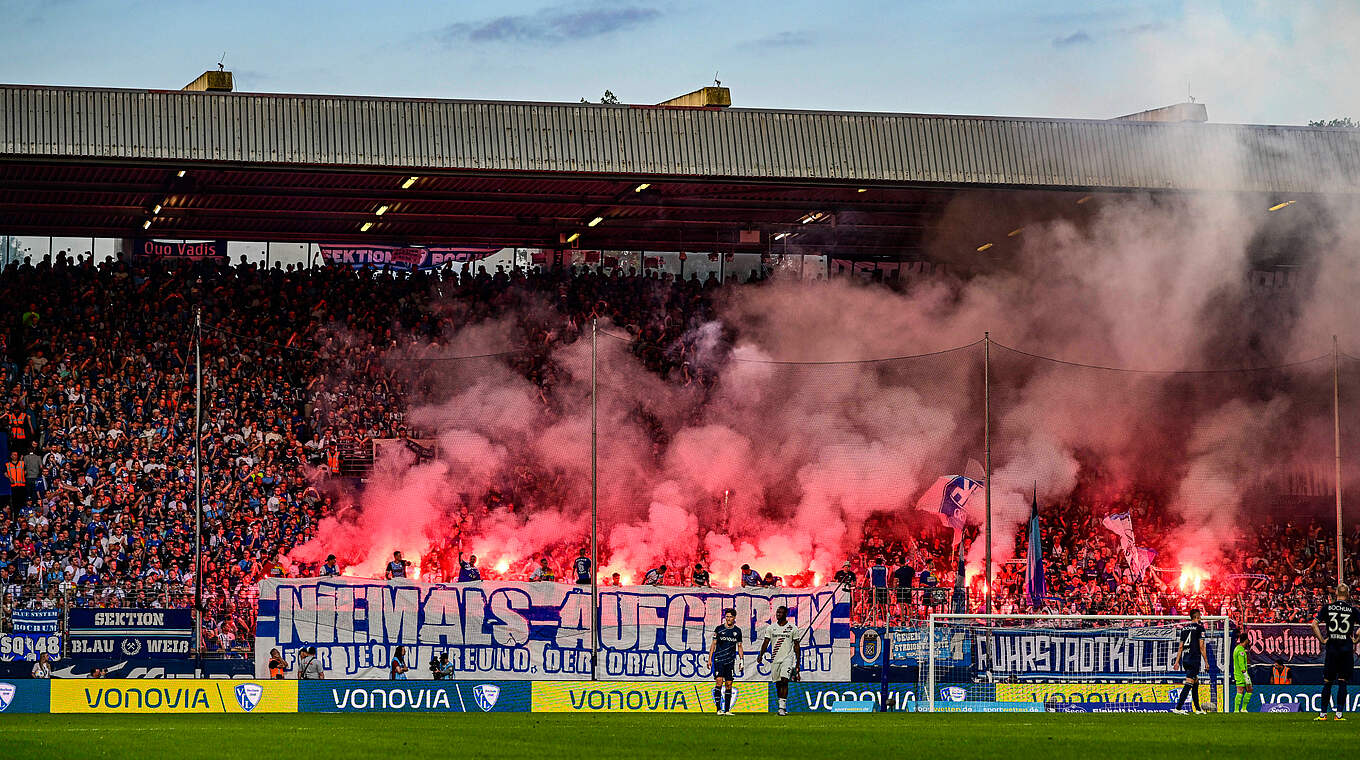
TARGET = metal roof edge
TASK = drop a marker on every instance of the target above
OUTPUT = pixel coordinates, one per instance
(652, 107)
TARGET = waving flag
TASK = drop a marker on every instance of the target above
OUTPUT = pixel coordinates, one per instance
(1140, 559)
(1121, 525)
(1035, 585)
(949, 498)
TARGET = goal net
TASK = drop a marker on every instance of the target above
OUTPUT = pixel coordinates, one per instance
(1070, 663)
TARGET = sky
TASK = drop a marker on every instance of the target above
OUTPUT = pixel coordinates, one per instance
(1249, 62)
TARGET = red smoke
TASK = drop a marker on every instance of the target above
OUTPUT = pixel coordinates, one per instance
(780, 465)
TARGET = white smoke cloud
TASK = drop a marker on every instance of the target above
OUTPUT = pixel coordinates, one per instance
(779, 464)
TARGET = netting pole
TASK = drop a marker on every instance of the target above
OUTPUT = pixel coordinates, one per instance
(1225, 661)
(594, 509)
(883, 668)
(987, 456)
(198, 482)
(930, 671)
(1336, 443)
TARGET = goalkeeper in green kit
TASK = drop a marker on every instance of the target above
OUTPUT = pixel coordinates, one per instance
(1241, 673)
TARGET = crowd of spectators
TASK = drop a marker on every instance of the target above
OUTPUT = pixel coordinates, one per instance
(96, 363)
(96, 367)
(1264, 571)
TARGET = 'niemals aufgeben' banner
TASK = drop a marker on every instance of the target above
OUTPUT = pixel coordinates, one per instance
(538, 631)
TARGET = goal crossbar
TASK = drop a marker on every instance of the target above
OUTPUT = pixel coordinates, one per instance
(1224, 654)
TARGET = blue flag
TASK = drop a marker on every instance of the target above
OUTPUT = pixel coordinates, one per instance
(949, 498)
(1035, 587)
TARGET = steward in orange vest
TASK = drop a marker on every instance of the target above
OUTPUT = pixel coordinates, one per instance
(1279, 674)
(18, 421)
(18, 486)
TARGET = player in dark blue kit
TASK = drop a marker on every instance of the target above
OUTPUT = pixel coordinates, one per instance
(1190, 657)
(1342, 621)
(725, 653)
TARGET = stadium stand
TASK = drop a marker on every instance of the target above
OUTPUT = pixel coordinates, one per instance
(96, 370)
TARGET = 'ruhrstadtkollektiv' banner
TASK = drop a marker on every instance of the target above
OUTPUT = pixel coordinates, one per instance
(538, 631)
(1132, 652)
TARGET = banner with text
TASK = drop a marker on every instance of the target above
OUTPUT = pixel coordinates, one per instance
(634, 697)
(819, 697)
(1126, 652)
(1304, 698)
(35, 621)
(130, 633)
(404, 257)
(28, 646)
(413, 696)
(538, 631)
(179, 250)
(907, 647)
(116, 695)
(34, 633)
(1292, 644)
(1101, 693)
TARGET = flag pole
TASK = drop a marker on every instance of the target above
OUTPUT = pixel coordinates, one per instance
(1336, 444)
(594, 509)
(198, 481)
(1030, 547)
(987, 455)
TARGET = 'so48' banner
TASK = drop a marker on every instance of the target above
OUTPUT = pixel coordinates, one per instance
(538, 631)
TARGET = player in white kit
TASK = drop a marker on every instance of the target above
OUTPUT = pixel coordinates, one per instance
(782, 638)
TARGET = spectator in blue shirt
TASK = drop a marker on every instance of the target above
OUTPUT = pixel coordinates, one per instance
(467, 570)
(749, 577)
(582, 568)
(655, 576)
(878, 579)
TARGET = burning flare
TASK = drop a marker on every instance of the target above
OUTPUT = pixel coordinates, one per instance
(1192, 578)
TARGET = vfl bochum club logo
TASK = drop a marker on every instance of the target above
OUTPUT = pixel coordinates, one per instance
(6, 695)
(248, 695)
(486, 695)
(953, 694)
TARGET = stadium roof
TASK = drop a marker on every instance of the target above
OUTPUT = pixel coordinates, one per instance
(317, 168)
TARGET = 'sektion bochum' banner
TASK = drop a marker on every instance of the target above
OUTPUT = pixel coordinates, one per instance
(538, 631)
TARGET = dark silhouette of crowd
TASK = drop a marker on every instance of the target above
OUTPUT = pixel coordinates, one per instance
(97, 371)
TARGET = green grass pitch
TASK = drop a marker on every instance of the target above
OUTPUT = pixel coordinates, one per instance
(638, 736)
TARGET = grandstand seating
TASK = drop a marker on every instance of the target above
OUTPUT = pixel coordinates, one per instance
(295, 390)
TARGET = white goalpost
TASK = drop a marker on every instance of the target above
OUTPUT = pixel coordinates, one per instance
(1098, 663)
